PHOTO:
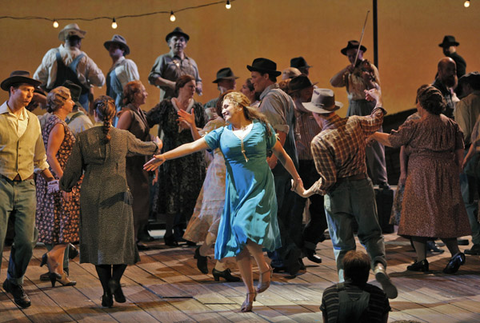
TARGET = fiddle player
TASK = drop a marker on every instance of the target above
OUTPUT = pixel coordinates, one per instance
(358, 76)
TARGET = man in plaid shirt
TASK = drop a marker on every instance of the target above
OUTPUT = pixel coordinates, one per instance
(339, 155)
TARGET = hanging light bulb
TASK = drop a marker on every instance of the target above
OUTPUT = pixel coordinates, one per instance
(172, 16)
(466, 4)
(228, 5)
(114, 24)
(55, 23)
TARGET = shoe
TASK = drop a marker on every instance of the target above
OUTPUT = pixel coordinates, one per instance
(62, 279)
(226, 274)
(191, 243)
(116, 291)
(387, 285)
(310, 253)
(462, 242)
(454, 264)
(278, 270)
(19, 296)
(433, 247)
(419, 266)
(291, 261)
(107, 299)
(474, 250)
(72, 251)
(263, 281)
(248, 303)
(142, 247)
(170, 241)
(302, 265)
(202, 262)
(384, 186)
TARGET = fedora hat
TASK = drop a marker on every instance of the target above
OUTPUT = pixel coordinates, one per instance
(177, 31)
(225, 73)
(120, 41)
(299, 62)
(264, 65)
(299, 83)
(352, 44)
(449, 41)
(19, 77)
(323, 102)
(290, 73)
(70, 30)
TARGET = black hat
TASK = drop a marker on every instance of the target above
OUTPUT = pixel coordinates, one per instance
(19, 77)
(120, 41)
(264, 65)
(177, 31)
(225, 73)
(299, 62)
(449, 41)
(353, 44)
(75, 91)
(299, 83)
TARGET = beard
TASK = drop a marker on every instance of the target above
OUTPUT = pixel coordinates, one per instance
(451, 81)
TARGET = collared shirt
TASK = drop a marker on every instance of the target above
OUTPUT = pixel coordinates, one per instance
(126, 70)
(171, 67)
(306, 128)
(339, 150)
(21, 147)
(355, 83)
(466, 114)
(87, 71)
(279, 109)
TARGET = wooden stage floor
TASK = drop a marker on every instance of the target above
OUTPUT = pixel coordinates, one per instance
(166, 287)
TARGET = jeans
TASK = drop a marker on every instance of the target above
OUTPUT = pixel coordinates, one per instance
(18, 198)
(470, 188)
(348, 202)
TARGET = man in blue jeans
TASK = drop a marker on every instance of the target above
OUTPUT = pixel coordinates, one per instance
(22, 153)
(339, 155)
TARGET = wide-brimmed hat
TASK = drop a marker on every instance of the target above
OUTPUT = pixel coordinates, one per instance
(225, 73)
(120, 41)
(323, 102)
(449, 41)
(352, 44)
(71, 30)
(290, 73)
(177, 31)
(299, 62)
(75, 91)
(264, 65)
(19, 77)
(299, 83)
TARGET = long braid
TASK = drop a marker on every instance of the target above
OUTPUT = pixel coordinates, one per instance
(105, 108)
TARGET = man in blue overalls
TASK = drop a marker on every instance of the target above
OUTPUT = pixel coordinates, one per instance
(68, 62)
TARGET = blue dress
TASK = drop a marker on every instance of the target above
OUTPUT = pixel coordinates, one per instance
(250, 210)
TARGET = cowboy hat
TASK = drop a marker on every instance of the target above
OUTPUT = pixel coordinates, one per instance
(120, 41)
(225, 73)
(352, 44)
(299, 83)
(71, 30)
(19, 77)
(323, 102)
(299, 62)
(449, 41)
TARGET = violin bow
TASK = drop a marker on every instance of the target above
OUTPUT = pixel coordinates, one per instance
(361, 39)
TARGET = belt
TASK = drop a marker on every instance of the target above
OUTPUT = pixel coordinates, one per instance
(353, 177)
(17, 178)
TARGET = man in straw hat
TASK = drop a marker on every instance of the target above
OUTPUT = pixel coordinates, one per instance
(22, 153)
(169, 67)
(339, 155)
(301, 89)
(225, 80)
(123, 70)
(68, 62)
(449, 46)
(363, 76)
(279, 109)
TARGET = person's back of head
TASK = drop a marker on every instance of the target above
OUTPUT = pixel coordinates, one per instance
(356, 266)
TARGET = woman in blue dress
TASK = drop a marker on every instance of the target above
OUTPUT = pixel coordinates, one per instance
(249, 221)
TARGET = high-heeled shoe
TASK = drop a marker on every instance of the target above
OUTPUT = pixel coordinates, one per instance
(263, 284)
(170, 241)
(202, 262)
(62, 279)
(248, 303)
(107, 299)
(116, 291)
(419, 266)
(226, 274)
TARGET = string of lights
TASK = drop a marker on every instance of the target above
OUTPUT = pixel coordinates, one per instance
(170, 13)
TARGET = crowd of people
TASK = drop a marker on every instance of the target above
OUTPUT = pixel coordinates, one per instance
(236, 172)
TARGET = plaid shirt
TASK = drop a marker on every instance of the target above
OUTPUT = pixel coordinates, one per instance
(339, 150)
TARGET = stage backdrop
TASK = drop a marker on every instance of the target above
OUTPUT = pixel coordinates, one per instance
(409, 34)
